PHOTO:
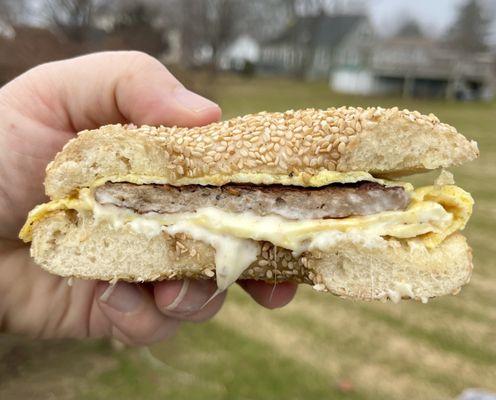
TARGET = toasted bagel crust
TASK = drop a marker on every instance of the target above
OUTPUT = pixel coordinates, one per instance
(375, 140)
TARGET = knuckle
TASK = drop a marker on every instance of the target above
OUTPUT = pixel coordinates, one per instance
(142, 59)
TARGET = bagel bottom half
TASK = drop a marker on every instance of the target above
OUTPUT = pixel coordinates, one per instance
(72, 245)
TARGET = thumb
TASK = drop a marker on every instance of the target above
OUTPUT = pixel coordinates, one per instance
(150, 94)
(122, 86)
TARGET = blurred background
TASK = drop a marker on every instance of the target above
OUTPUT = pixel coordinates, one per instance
(433, 56)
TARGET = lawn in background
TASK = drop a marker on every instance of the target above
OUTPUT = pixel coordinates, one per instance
(319, 346)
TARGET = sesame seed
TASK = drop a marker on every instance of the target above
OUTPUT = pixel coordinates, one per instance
(209, 273)
(307, 140)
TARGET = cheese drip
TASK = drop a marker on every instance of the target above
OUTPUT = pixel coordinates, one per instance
(232, 255)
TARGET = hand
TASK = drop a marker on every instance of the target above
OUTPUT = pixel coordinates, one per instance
(40, 111)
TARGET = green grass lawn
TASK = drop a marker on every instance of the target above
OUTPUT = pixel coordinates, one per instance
(319, 346)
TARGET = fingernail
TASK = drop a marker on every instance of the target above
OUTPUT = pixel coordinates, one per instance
(180, 296)
(192, 100)
(125, 297)
(191, 297)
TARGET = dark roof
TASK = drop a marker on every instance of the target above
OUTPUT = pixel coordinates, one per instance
(326, 30)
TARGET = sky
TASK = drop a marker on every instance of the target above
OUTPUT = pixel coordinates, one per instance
(435, 16)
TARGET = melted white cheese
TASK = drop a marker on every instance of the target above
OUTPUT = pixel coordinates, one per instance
(232, 255)
(298, 236)
(401, 290)
(422, 218)
(327, 240)
(148, 227)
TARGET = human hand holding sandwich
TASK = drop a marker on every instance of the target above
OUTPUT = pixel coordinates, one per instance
(41, 110)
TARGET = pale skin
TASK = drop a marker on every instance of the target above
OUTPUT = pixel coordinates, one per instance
(39, 112)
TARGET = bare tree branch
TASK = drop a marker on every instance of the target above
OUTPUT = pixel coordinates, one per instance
(74, 18)
(11, 11)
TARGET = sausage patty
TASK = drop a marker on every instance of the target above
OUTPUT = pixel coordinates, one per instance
(293, 202)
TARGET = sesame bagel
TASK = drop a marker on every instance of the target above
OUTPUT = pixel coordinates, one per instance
(290, 147)
(307, 196)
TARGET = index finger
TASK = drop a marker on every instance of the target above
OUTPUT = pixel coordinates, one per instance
(269, 295)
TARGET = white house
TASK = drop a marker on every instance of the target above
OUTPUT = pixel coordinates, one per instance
(312, 46)
(242, 50)
(421, 67)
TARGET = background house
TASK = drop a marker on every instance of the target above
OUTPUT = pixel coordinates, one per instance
(312, 46)
(243, 51)
(421, 67)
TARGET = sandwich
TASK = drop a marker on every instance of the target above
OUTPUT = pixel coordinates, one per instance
(308, 196)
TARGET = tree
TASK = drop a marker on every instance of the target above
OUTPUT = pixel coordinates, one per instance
(75, 19)
(11, 11)
(314, 7)
(134, 28)
(108, 24)
(134, 14)
(470, 30)
(409, 28)
(208, 26)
